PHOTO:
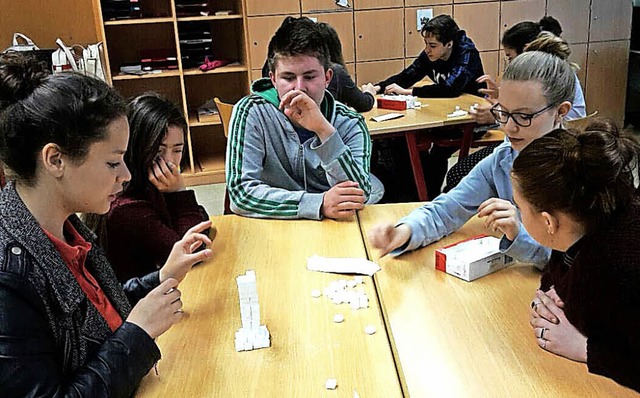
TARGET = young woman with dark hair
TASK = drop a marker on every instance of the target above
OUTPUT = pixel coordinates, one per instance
(155, 209)
(576, 194)
(68, 327)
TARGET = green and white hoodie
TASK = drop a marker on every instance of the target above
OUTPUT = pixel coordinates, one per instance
(271, 174)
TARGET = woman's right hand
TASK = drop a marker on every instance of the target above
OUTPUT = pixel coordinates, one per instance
(387, 237)
(159, 309)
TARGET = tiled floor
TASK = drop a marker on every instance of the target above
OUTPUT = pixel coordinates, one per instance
(211, 197)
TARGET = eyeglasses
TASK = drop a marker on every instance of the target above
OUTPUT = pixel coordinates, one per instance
(519, 118)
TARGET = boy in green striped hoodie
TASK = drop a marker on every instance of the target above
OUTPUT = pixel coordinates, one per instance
(293, 151)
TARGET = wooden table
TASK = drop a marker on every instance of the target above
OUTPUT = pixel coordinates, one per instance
(453, 338)
(307, 347)
(432, 114)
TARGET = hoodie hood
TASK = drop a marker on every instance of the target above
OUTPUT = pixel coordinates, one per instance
(464, 42)
(265, 89)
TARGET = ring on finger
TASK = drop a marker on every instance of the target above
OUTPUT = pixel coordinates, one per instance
(542, 333)
(535, 304)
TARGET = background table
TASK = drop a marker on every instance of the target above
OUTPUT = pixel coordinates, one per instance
(307, 347)
(465, 339)
(432, 115)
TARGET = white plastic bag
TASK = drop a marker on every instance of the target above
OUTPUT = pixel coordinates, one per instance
(87, 61)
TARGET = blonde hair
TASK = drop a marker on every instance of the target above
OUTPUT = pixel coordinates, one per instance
(554, 73)
(549, 43)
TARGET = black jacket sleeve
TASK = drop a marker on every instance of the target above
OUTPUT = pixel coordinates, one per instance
(411, 75)
(32, 365)
(344, 89)
(137, 288)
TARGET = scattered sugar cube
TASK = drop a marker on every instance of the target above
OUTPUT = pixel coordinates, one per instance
(370, 329)
(316, 293)
(331, 384)
(338, 318)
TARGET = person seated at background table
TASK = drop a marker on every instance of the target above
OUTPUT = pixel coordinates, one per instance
(155, 208)
(515, 41)
(295, 152)
(547, 42)
(534, 97)
(576, 194)
(341, 86)
(452, 62)
(68, 327)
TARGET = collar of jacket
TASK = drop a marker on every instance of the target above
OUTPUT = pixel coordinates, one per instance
(23, 228)
(264, 88)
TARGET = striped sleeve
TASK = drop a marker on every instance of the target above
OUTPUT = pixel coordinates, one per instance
(346, 155)
(248, 194)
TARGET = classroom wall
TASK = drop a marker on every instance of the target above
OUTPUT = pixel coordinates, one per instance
(380, 37)
(45, 20)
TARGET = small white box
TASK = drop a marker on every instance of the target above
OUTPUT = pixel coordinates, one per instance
(472, 258)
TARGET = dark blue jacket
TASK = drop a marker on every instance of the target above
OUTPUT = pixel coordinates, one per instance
(452, 77)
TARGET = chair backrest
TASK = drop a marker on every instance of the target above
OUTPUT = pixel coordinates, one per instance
(225, 110)
(581, 122)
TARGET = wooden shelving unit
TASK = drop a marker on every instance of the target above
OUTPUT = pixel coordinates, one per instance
(160, 28)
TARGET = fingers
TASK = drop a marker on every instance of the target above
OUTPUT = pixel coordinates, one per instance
(347, 184)
(542, 311)
(553, 295)
(494, 204)
(191, 238)
(199, 227)
(556, 313)
(484, 78)
(197, 257)
(286, 99)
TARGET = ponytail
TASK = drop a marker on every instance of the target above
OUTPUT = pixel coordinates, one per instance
(588, 174)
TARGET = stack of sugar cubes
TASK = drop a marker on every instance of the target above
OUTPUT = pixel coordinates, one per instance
(251, 335)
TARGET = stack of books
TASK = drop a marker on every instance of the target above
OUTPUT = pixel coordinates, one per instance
(191, 8)
(196, 43)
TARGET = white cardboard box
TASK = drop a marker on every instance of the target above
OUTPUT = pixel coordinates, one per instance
(472, 258)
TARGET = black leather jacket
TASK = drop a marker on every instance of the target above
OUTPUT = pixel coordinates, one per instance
(53, 341)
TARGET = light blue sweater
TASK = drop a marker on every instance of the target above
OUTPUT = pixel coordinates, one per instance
(448, 212)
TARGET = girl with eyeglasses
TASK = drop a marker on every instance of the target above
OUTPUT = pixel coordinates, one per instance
(534, 97)
(576, 194)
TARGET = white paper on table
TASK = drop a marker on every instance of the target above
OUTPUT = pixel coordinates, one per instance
(342, 265)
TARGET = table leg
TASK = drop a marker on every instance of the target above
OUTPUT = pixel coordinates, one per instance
(465, 142)
(416, 165)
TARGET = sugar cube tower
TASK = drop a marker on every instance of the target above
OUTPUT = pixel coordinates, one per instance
(251, 335)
